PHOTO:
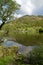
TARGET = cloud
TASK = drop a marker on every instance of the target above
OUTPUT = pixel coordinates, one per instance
(30, 7)
(17, 15)
(38, 7)
(19, 1)
(27, 7)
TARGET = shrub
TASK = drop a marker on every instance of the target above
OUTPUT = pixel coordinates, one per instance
(36, 56)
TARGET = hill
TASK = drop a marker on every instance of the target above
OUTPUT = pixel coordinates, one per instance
(31, 21)
(27, 30)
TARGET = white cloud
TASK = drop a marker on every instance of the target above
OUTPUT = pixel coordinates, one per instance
(17, 16)
(30, 7)
(19, 1)
(27, 7)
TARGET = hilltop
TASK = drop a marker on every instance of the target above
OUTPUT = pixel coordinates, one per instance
(31, 20)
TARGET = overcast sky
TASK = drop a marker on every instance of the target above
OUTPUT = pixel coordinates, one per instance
(30, 7)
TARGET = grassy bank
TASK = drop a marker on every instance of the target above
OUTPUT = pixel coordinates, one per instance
(9, 56)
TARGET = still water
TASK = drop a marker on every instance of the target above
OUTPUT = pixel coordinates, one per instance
(21, 48)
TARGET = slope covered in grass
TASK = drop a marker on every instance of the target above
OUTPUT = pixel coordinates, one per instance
(25, 30)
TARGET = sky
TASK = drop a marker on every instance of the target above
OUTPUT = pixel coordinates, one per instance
(30, 7)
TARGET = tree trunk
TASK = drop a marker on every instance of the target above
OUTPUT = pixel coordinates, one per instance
(2, 25)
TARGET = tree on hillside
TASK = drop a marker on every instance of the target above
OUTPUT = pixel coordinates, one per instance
(7, 10)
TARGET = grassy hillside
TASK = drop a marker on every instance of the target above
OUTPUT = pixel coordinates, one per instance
(25, 30)
(31, 21)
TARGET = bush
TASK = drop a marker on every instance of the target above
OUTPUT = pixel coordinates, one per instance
(41, 30)
(36, 56)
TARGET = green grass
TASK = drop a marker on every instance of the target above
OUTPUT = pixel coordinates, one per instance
(9, 56)
(36, 56)
(5, 60)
